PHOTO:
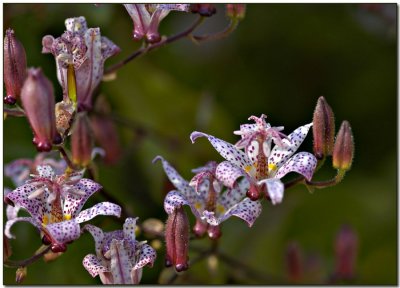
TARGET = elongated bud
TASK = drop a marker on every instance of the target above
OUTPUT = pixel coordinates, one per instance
(343, 150)
(323, 129)
(236, 11)
(38, 100)
(21, 274)
(294, 263)
(346, 246)
(14, 67)
(81, 140)
(177, 240)
(203, 9)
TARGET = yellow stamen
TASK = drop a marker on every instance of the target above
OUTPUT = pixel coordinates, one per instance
(67, 216)
(45, 220)
(220, 209)
(272, 167)
(248, 168)
(197, 205)
(71, 84)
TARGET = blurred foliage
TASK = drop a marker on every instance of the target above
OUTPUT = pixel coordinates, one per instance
(279, 61)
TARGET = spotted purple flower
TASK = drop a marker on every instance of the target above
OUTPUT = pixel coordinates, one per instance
(54, 203)
(147, 17)
(86, 50)
(262, 166)
(204, 196)
(119, 257)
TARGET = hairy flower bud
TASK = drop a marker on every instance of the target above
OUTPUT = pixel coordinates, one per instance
(203, 9)
(81, 140)
(21, 274)
(343, 150)
(214, 232)
(38, 100)
(346, 245)
(323, 129)
(236, 11)
(200, 228)
(14, 67)
(294, 262)
(177, 240)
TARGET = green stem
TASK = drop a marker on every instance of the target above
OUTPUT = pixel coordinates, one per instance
(219, 35)
(23, 263)
(332, 182)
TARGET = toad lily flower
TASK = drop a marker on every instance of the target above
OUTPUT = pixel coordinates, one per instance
(147, 17)
(208, 203)
(119, 256)
(261, 165)
(86, 50)
(55, 204)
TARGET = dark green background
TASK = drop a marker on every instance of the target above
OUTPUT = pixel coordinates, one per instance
(278, 62)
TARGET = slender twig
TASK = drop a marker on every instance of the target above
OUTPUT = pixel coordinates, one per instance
(219, 35)
(144, 50)
(26, 262)
(14, 112)
(66, 158)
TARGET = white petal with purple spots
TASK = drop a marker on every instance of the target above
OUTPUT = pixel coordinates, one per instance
(129, 228)
(120, 265)
(45, 171)
(97, 235)
(228, 173)
(104, 208)
(93, 265)
(175, 199)
(233, 196)
(10, 223)
(303, 163)
(64, 231)
(147, 256)
(275, 189)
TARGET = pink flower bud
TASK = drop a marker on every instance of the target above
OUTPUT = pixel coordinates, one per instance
(14, 67)
(38, 101)
(343, 150)
(346, 245)
(203, 9)
(214, 232)
(81, 140)
(200, 228)
(254, 192)
(21, 274)
(294, 262)
(177, 240)
(236, 11)
(323, 129)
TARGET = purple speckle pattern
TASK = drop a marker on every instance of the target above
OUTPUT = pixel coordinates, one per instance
(303, 163)
(45, 171)
(253, 149)
(93, 265)
(280, 154)
(104, 208)
(97, 235)
(147, 256)
(233, 196)
(10, 223)
(175, 199)
(129, 228)
(275, 190)
(120, 265)
(64, 231)
(74, 202)
(228, 173)
(176, 7)
(225, 149)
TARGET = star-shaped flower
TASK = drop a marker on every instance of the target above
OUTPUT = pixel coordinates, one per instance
(54, 203)
(119, 256)
(262, 166)
(209, 204)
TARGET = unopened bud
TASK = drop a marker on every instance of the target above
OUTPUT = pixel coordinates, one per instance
(177, 240)
(81, 140)
(21, 274)
(323, 129)
(236, 11)
(254, 193)
(346, 245)
(38, 100)
(294, 262)
(58, 247)
(153, 226)
(51, 256)
(14, 67)
(343, 150)
(214, 232)
(203, 9)
(200, 228)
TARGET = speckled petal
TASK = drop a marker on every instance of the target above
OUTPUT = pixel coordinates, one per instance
(245, 129)
(10, 223)
(228, 173)
(120, 265)
(108, 48)
(64, 231)
(129, 228)
(279, 155)
(177, 180)
(303, 163)
(93, 265)
(45, 171)
(103, 208)
(275, 189)
(247, 210)
(176, 7)
(12, 212)
(74, 201)
(77, 24)
(233, 196)
(147, 256)
(97, 235)
(227, 150)
(175, 199)
(18, 171)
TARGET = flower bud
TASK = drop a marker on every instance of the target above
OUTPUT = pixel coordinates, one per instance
(38, 100)
(81, 140)
(214, 232)
(177, 240)
(200, 228)
(14, 67)
(236, 11)
(323, 129)
(203, 9)
(21, 274)
(343, 150)
(346, 245)
(253, 193)
(294, 262)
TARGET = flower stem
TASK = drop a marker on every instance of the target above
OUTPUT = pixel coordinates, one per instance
(144, 50)
(16, 111)
(23, 263)
(219, 35)
(66, 158)
(332, 182)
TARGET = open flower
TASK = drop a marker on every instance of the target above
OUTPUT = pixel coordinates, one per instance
(55, 203)
(206, 200)
(119, 256)
(147, 17)
(261, 165)
(86, 50)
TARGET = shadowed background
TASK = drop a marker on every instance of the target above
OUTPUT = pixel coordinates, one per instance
(278, 62)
